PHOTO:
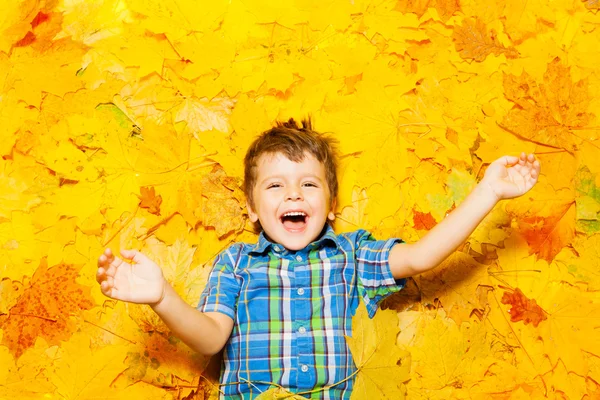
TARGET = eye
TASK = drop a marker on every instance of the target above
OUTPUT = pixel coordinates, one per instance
(309, 184)
(273, 185)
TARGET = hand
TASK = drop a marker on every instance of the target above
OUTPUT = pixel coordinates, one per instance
(511, 176)
(140, 282)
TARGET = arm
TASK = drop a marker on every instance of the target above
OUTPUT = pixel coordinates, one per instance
(505, 178)
(205, 333)
(143, 282)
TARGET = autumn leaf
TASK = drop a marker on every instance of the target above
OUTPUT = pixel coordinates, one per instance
(222, 202)
(454, 283)
(546, 220)
(418, 7)
(592, 4)
(382, 366)
(150, 200)
(474, 42)
(522, 308)
(277, 393)
(587, 201)
(45, 307)
(447, 8)
(82, 372)
(423, 221)
(548, 112)
(10, 291)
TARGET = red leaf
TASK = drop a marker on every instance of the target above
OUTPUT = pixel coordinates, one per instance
(523, 309)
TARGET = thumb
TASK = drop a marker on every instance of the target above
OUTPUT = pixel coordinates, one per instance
(508, 160)
(133, 255)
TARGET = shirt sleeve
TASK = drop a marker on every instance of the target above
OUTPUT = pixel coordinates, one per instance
(222, 289)
(375, 281)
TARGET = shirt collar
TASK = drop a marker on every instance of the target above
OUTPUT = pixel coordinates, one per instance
(327, 237)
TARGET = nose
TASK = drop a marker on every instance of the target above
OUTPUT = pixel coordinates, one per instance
(293, 194)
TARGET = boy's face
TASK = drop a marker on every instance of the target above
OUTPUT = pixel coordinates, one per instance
(291, 200)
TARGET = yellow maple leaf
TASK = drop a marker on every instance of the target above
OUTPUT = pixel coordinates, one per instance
(382, 366)
(93, 368)
(474, 42)
(222, 202)
(454, 282)
(278, 393)
(24, 378)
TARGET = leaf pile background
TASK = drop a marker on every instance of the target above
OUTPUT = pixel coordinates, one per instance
(124, 123)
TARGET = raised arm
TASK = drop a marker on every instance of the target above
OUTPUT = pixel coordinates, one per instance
(505, 178)
(142, 282)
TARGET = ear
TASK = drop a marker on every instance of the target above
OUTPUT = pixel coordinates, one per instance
(331, 215)
(253, 216)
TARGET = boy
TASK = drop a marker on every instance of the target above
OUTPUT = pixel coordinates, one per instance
(282, 306)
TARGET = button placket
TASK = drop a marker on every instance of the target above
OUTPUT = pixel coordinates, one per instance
(303, 308)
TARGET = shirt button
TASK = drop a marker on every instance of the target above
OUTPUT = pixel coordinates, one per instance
(298, 258)
(277, 248)
(304, 368)
(302, 330)
(301, 291)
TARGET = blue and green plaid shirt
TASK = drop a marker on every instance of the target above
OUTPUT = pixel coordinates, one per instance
(291, 310)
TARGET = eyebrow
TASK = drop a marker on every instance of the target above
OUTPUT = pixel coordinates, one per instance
(282, 177)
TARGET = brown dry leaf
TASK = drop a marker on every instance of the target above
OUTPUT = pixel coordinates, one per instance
(522, 308)
(45, 307)
(549, 112)
(592, 4)
(382, 366)
(474, 42)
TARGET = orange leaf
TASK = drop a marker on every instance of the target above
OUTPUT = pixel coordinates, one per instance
(474, 42)
(149, 200)
(523, 309)
(45, 307)
(423, 221)
(547, 235)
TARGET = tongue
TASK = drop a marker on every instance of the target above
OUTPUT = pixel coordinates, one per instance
(293, 224)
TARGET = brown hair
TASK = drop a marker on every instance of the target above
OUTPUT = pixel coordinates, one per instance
(293, 140)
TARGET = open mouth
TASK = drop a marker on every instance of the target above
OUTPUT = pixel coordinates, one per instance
(294, 220)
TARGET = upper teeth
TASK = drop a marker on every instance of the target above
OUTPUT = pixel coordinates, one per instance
(293, 213)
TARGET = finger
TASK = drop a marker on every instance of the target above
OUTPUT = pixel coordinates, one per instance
(523, 158)
(106, 289)
(109, 254)
(100, 275)
(534, 173)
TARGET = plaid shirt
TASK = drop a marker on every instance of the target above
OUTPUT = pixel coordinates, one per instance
(291, 310)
